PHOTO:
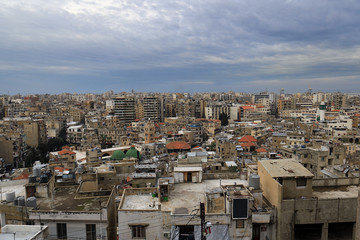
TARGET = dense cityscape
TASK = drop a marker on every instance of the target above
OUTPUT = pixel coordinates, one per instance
(179, 166)
(179, 120)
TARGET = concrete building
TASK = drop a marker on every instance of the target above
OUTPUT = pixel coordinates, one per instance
(149, 133)
(308, 208)
(35, 133)
(152, 108)
(124, 109)
(171, 211)
(24, 232)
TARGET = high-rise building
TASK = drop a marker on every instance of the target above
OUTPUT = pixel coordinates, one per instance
(124, 109)
(152, 108)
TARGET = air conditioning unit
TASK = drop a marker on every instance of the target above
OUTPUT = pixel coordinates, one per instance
(167, 235)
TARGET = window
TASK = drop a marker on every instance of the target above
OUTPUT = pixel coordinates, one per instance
(240, 223)
(138, 231)
(301, 182)
(330, 162)
(90, 232)
(61, 230)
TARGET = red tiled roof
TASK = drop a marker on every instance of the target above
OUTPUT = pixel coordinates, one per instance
(357, 115)
(247, 107)
(22, 176)
(261, 150)
(247, 138)
(248, 144)
(60, 169)
(178, 145)
(66, 151)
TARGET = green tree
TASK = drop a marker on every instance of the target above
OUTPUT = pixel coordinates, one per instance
(32, 155)
(62, 135)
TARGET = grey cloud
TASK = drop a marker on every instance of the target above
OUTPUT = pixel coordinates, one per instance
(198, 41)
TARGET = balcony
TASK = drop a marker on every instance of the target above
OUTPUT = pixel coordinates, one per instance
(261, 217)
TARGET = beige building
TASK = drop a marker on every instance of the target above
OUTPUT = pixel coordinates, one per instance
(149, 133)
(308, 208)
(35, 133)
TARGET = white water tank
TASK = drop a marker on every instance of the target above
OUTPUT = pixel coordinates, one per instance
(10, 197)
(36, 172)
(254, 181)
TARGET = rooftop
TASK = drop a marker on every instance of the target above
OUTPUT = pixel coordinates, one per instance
(64, 200)
(20, 232)
(336, 192)
(185, 197)
(16, 186)
(178, 145)
(140, 202)
(247, 138)
(285, 168)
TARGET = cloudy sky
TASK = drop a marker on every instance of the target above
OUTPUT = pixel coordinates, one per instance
(179, 46)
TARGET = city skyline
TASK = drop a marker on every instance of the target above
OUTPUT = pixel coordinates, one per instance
(79, 46)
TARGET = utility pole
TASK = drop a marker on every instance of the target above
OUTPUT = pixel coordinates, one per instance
(202, 217)
(101, 236)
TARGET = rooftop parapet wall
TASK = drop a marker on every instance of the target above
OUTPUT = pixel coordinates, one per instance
(335, 182)
(314, 211)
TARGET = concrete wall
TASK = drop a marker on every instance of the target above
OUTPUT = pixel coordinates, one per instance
(111, 216)
(6, 150)
(325, 182)
(14, 183)
(291, 191)
(75, 230)
(220, 175)
(272, 190)
(142, 182)
(314, 211)
(154, 221)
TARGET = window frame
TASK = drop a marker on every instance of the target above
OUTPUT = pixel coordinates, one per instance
(138, 231)
(90, 233)
(301, 182)
(61, 230)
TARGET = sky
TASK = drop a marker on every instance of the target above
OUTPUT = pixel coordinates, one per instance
(179, 46)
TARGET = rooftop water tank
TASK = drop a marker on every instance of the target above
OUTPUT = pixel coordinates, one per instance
(10, 197)
(44, 179)
(31, 202)
(19, 201)
(33, 179)
(36, 172)
(254, 181)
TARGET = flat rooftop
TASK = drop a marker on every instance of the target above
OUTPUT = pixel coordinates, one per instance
(17, 186)
(140, 202)
(336, 192)
(285, 168)
(64, 201)
(186, 197)
(22, 232)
